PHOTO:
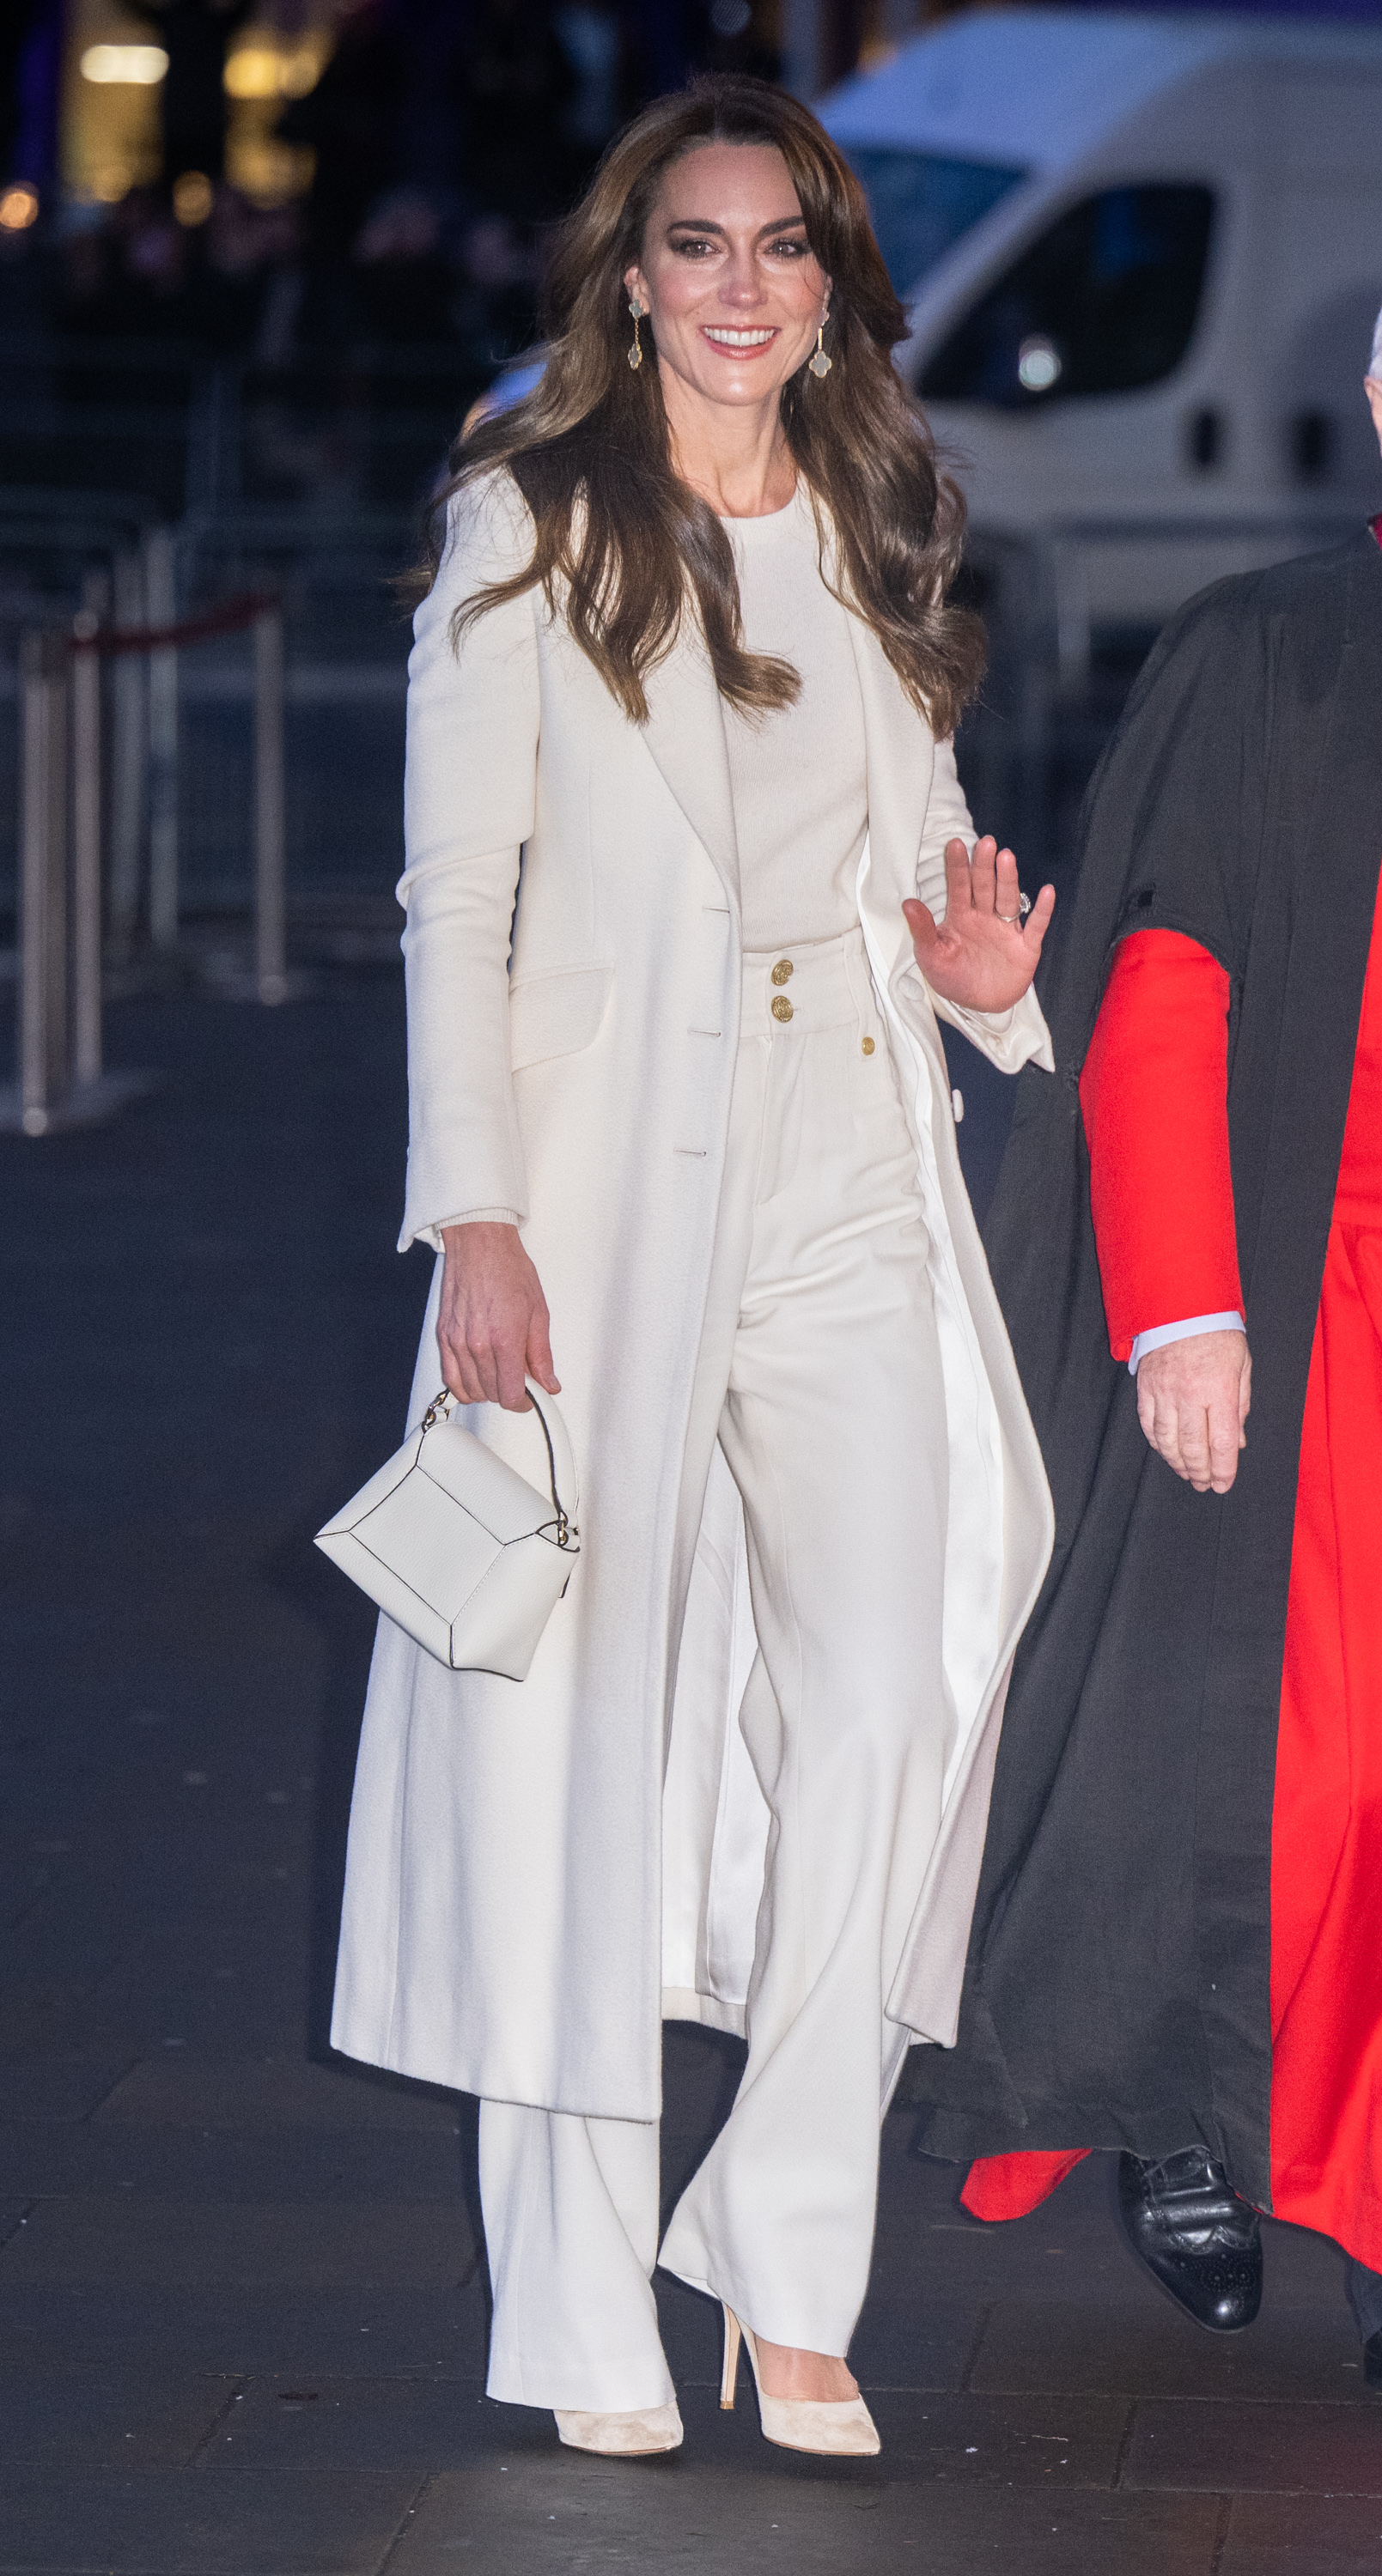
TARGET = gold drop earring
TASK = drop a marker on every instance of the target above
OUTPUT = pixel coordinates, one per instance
(636, 352)
(818, 362)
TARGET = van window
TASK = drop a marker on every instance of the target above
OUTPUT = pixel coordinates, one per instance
(1104, 302)
(921, 203)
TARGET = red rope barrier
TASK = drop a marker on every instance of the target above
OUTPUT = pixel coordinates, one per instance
(232, 615)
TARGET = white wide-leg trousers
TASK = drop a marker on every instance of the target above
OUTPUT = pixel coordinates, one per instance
(830, 1409)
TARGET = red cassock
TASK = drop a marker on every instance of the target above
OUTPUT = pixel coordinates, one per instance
(1153, 1094)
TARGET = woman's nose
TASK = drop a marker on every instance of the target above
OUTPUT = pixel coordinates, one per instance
(741, 284)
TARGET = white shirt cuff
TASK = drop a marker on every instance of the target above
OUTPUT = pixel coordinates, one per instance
(1161, 1334)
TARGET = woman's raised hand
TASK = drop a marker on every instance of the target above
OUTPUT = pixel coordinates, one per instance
(981, 956)
(493, 1329)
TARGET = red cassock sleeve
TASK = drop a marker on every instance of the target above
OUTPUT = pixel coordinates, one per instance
(1154, 1095)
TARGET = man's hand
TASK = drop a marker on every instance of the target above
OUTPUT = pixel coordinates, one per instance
(1192, 1402)
(493, 1328)
(982, 957)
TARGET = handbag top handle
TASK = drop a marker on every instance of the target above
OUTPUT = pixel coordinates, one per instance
(439, 1409)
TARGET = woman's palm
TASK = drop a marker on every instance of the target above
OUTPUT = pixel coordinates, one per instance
(981, 957)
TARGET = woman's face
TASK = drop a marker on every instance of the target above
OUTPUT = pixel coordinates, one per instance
(734, 295)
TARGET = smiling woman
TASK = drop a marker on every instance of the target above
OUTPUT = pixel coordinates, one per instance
(689, 884)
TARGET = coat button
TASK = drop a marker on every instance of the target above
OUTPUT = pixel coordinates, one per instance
(782, 1008)
(866, 1046)
(782, 971)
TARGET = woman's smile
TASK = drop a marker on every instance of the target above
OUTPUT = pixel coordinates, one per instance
(726, 335)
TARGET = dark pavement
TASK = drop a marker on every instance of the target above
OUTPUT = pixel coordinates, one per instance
(242, 2296)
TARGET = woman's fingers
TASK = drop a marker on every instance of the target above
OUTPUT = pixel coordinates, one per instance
(1038, 920)
(540, 1351)
(459, 1371)
(510, 1370)
(1007, 892)
(959, 883)
(480, 1371)
(984, 876)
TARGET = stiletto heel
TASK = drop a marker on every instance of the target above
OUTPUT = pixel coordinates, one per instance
(841, 2427)
(730, 2371)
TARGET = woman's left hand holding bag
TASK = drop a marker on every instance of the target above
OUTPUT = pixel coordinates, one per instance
(983, 956)
(493, 1328)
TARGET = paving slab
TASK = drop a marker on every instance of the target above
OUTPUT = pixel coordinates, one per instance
(422, 2420)
(56, 2088)
(86, 2157)
(141, 2415)
(335, 2522)
(123, 2239)
(1275, 2450)
(1302, 2536)
(248, 2330)
(569, 2516)
(192, 2091)
(1159, 2352)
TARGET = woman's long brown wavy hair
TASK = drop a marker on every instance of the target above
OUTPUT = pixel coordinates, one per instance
(620, 537)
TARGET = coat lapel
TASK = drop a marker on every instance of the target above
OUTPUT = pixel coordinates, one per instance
(897, 752)
(685, 734)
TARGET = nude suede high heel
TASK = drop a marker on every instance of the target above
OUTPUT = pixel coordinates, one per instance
(643, 2429)
(840, 2426)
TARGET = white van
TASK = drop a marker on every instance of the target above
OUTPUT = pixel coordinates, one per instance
(1142, 258)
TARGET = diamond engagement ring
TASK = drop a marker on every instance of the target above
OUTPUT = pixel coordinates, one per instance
(1024, 906)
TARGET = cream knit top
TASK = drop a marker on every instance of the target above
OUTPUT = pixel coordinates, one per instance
(797, 775)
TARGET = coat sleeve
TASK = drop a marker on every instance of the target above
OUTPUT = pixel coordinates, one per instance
(1009, 1039)
(1154, 1096)
(469, 796)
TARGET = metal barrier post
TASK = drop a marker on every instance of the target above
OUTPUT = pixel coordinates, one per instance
(85, 711)
(129, 763)
(270, 833)
(160, 594)
(43, 882)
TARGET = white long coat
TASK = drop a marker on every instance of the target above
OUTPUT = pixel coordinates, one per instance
(536, 1868)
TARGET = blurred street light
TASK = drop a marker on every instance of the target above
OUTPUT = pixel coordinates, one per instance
(144, 65)
(18, 207)
(258, 70)
(193, 198)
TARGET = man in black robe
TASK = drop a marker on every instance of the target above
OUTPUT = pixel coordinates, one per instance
(1120, 1989)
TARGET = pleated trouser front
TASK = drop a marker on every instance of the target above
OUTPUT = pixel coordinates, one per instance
(830, 1408)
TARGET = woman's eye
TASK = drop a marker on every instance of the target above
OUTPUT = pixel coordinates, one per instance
(791, 249)
(692, 246)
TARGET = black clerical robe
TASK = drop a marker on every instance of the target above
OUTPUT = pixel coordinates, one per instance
(1118, 1985)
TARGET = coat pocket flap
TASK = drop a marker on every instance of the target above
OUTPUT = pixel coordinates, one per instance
(557, 1014)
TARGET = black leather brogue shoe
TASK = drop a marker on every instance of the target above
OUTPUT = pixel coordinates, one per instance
(1193, 2232)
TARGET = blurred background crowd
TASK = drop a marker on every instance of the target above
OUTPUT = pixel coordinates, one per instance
(300, 182)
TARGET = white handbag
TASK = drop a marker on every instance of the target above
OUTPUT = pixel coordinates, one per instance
(460, 1549)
